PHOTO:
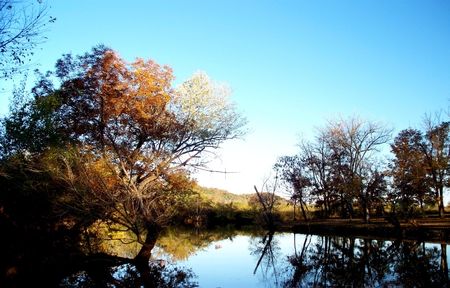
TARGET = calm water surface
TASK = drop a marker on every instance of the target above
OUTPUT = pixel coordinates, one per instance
(241, 259)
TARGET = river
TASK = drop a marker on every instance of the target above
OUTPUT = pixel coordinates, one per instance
(240, 258)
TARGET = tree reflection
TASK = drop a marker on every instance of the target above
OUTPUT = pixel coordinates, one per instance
(174, 244)
(301, 267)
(179, 243)
(316, 261)
(350, 262)
(418, 266)
(267, 250)
(129, 275)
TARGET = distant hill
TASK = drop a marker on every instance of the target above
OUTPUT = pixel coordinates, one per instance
(220, 196)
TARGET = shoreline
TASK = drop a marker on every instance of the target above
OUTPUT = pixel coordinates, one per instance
(426, 230)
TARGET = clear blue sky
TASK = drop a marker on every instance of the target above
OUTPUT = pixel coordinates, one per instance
(290, 63)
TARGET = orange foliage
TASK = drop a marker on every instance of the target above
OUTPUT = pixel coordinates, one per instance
(119, 115)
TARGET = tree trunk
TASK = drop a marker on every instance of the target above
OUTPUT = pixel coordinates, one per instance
(143, 257)
(267, 210)
(343, 209)
(144, 254)
(350, 209)
(441, 204)
(295, 202)
(327, 207)
(366, 210)
(303, 211)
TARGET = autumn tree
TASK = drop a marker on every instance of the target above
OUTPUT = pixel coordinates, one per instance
(436, 149)
(408, 170)
(319, 174)
(22, 24)
(354, 142)
(339, 165)
(421, 165)
(134, 140)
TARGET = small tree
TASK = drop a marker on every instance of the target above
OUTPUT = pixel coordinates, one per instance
(293, 176)
(267, 199)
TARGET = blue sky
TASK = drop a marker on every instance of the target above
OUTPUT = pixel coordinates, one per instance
(290, 63)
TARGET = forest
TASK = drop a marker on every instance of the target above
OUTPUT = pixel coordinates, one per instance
(103, 150)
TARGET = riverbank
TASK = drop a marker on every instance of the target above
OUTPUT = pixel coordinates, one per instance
(426, 229)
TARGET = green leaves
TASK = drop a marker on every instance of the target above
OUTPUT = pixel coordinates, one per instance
(32, 127)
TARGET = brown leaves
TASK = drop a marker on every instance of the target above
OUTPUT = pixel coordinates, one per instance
(133, 140)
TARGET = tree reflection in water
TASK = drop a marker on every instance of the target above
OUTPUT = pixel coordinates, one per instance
(349, 262)
(174, 244)
(309, 261)
(130, 276)
(267, 250)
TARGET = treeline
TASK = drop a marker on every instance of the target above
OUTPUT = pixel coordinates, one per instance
(346, 168)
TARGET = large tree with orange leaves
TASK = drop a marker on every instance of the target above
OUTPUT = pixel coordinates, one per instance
(134, 139)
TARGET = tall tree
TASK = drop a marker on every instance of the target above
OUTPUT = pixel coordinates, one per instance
(409, 170)
(437, 158)
(134, 139)
(318, 160)
(22, 24)
(354, 142)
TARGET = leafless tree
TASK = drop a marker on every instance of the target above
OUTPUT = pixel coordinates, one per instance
(267, 200)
